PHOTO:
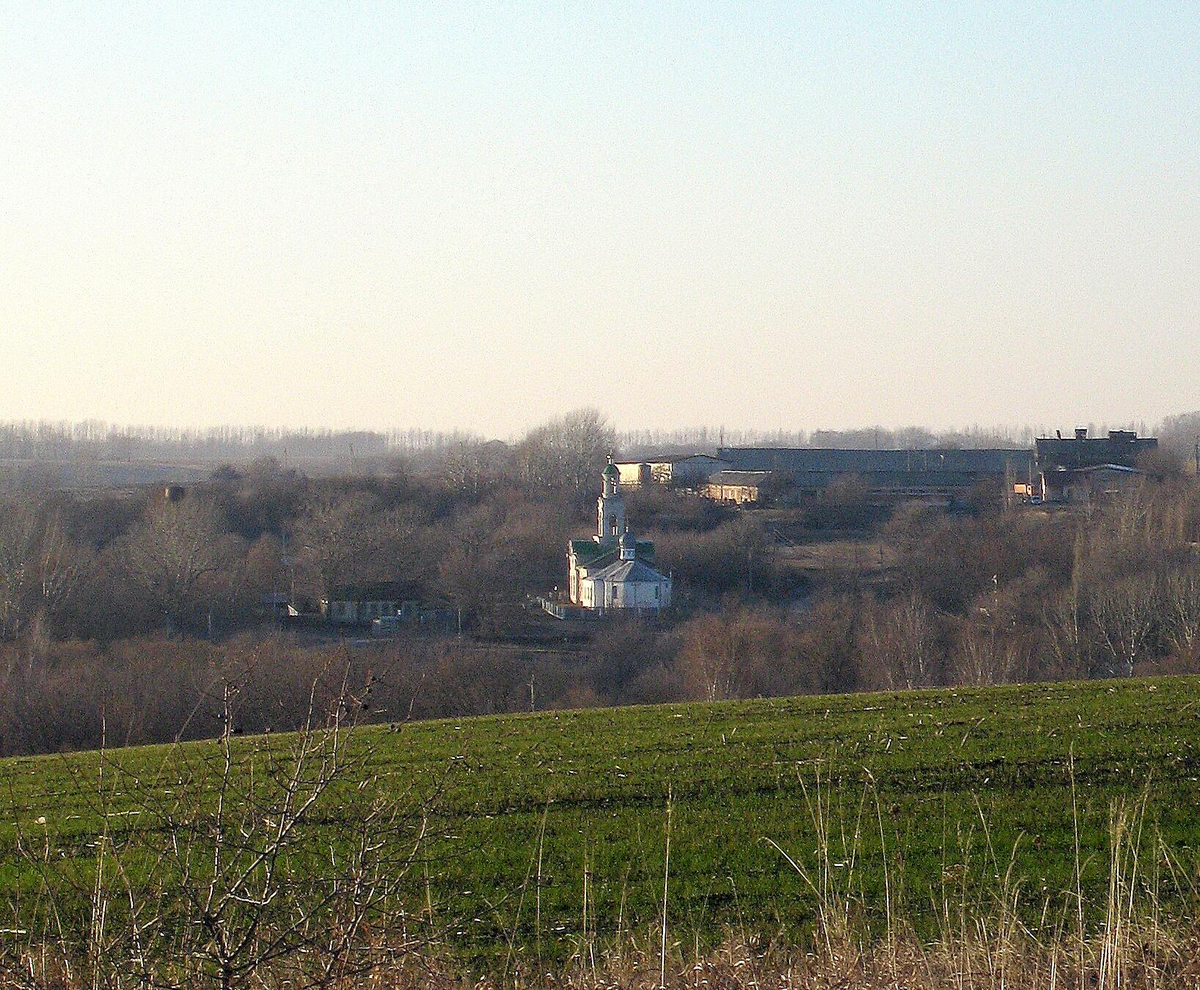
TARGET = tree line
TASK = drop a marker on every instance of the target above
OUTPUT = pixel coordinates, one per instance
(137, 604)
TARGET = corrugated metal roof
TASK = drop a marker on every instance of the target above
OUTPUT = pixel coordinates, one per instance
(668, 459)
(799, 460)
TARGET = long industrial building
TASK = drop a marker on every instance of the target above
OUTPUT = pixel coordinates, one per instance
(901, 471)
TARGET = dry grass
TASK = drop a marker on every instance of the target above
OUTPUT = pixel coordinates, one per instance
(980, 947)
(1150, 961)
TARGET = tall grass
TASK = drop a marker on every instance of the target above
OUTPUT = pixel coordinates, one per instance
(984, 942)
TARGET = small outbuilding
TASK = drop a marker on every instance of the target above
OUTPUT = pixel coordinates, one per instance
(672, 469)
(361, 604)
(744, 487)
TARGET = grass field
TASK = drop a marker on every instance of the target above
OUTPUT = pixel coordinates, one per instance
(930, 802)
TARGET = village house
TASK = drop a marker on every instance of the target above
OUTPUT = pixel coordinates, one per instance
(361, 604)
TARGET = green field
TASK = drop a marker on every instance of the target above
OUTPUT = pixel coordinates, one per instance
(928, 797)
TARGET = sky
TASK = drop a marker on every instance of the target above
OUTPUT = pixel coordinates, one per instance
(477, 215)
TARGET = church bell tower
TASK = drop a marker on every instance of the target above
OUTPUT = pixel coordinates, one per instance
(610, 507)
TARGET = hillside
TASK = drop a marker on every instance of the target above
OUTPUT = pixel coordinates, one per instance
(922, 799)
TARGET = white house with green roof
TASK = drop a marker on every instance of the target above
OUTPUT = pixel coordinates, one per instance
(612, 570)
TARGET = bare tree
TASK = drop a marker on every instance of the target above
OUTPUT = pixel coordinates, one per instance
(566, 453)
(173, 550)
(987, 655)
(1181, 604)
(39, 566)
(470, 464)
(1124, 612)
(1063, 625)
(1063, 618)
(715, 654)
(741, 653)
(898, 641)
(335, 539)
(751, 548)
(478, 565)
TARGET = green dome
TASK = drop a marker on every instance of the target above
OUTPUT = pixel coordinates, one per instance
(611, 471)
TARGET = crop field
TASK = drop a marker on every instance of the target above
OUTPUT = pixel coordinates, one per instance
(553, 828)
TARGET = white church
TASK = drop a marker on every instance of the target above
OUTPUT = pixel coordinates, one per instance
(612, 570)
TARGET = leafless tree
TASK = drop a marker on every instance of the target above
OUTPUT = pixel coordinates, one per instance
(478, 563)
(987, 655)
(898, 641)
(1181, 604)
(1063, 619)
(173, 550)
(751, 548)
(1124, 612)
(470, 464)
(567, 453)
(742, 652)
(39, 566)
(715, 655)
(1063, 625)
(343, 537)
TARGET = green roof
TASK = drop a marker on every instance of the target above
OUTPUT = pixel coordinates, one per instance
(587, 549)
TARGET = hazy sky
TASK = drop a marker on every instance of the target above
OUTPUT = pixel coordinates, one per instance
(480, 215)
